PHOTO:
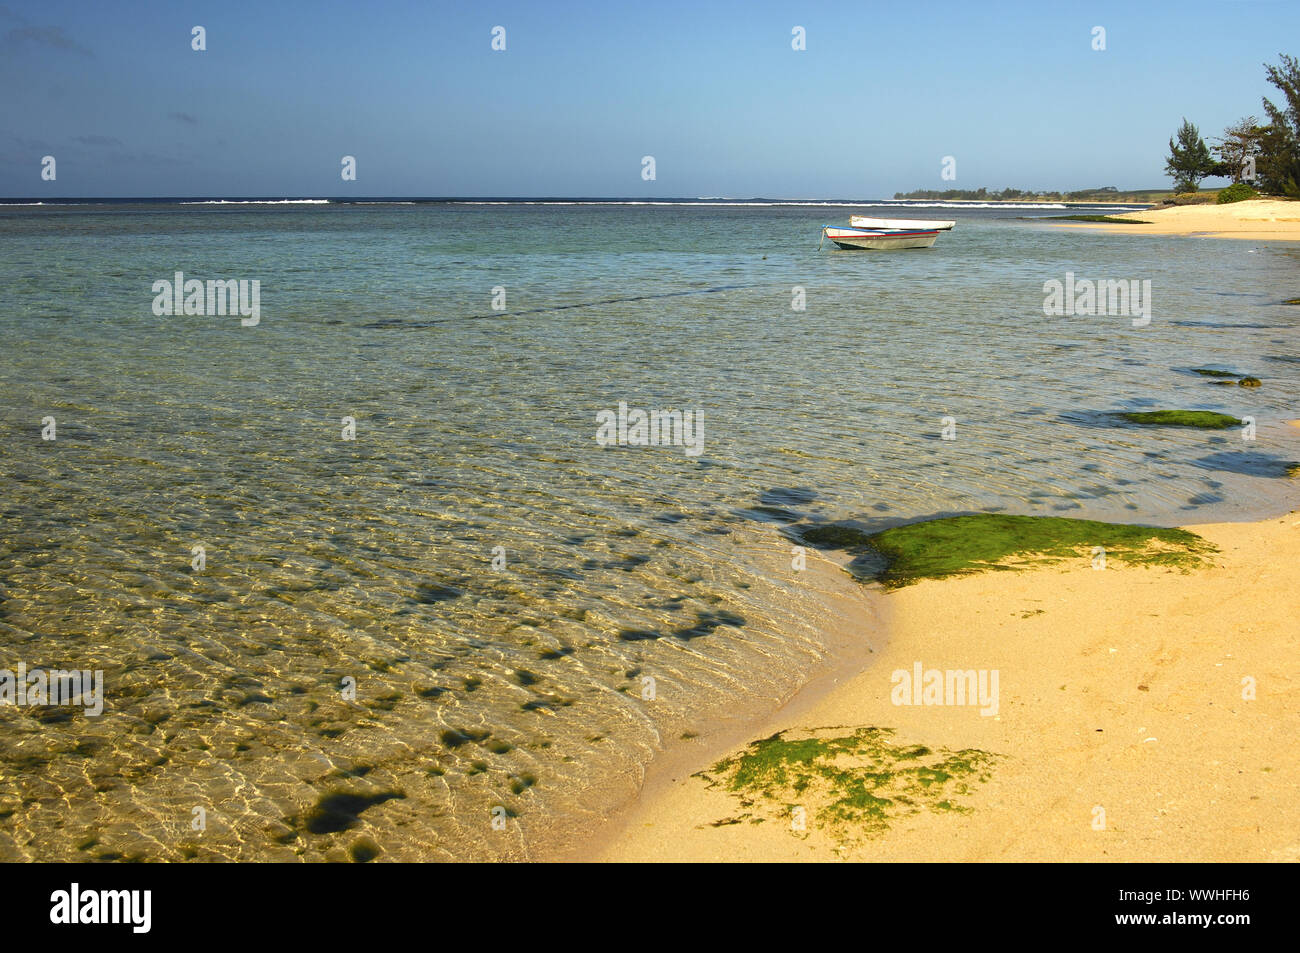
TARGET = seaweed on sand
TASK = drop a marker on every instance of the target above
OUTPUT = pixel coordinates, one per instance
(850, 786)
(959, 545)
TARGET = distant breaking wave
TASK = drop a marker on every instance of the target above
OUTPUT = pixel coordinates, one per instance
(727, 204)
(257, 202)
(704, 203)
(915, 204)
(794, 203)
(710, 202)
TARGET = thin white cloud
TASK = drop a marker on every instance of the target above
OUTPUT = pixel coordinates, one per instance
(27, 35)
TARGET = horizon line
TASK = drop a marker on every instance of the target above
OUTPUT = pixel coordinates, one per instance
(34, 199)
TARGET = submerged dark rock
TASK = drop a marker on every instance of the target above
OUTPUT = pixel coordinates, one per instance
(431, 592)
(341, 810)
(706, 622)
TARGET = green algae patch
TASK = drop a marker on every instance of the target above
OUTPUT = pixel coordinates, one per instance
(849, 786)
(1206, 419)
(1224, 377)
(960, 545)
(1107, 219)
(832, 536)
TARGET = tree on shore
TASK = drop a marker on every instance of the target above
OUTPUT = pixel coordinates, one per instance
(1189, 159)
(1239, 144)
(1279, 160)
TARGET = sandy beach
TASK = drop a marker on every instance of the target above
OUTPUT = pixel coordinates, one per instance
(1125, 727)
(1255, 219)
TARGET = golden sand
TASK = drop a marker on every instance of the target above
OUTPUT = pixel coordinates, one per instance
(1257, 219)
(1122, 690)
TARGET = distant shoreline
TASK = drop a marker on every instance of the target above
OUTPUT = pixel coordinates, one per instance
(1013, 196)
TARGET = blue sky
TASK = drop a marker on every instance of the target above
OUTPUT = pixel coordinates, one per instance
(714, 91)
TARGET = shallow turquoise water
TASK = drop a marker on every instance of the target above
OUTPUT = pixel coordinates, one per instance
(372, 558)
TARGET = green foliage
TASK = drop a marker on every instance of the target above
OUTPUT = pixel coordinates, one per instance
(959, 545)
(1105, 194)
(1189, 159)
(974, 195)
(1237, 193)
(1279, 161)
(1238, 149)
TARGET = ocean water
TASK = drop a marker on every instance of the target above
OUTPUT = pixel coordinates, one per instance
(497, 585)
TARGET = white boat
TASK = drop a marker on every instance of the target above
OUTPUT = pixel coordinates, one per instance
(861, 221)
(879, 238)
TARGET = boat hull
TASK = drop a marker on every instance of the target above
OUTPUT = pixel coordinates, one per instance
(909, 224)
(865, 240)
